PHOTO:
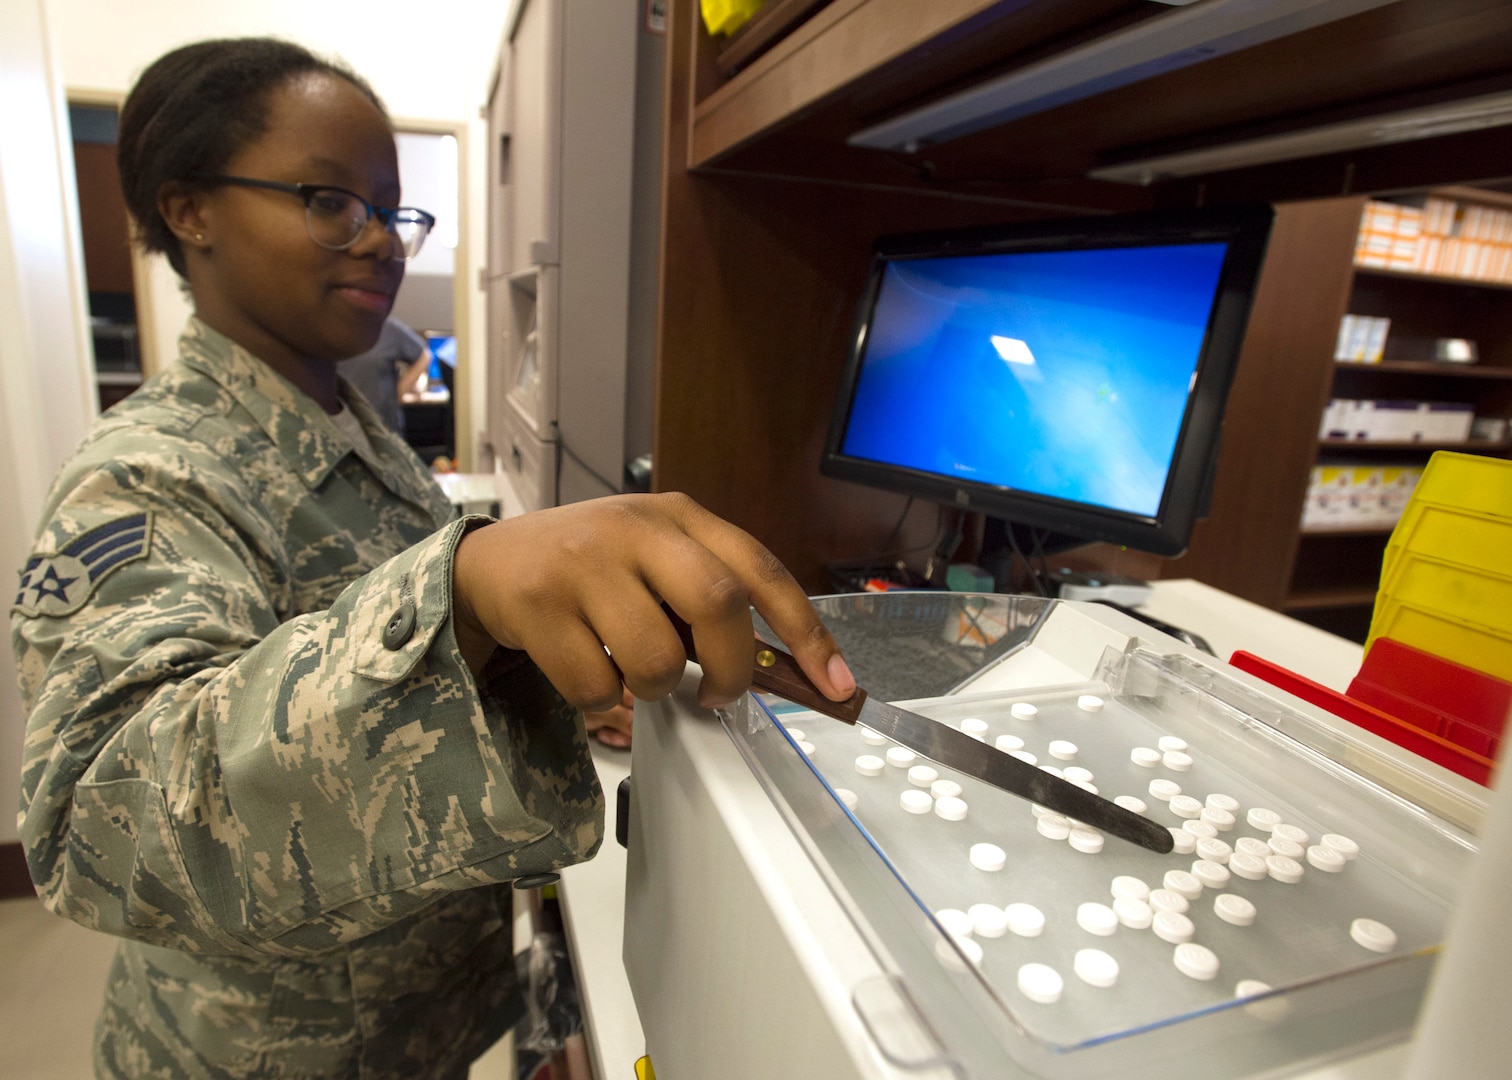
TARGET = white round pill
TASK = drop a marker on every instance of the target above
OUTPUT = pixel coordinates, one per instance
(1185, 843)
(1051, 770)
(1144, 756)
(988, 920)
(1095, 967)
(1250, 845)
(1165, 790)
(1262, 819)
(988, 857)
(1213, 849)
(807, 747)
(1089, 703)
(870, 765)
(1196, 961)
(1130, 803)
(1213, 875)
(1024, 756)
(1199, 828)
(1294, 833)
(945, 789)
(1185, 806)
(1279, 845)
(1218, 817)
(1233, 908)
(972, 950)
(1008, 743)
(1283, 868)
(956, 922)
(923, 775)
(1041, 983)
(916, 802)
(1166, 900)
(1342, 844)
(1177, 761)
(1173, 927)
(1078, 775)
(1053, 827)
(1217, 801)
(1133, 913)
(1171, 742)
(1096, 918)
(1180, 881)
(1022, 710)
(1025, 920)
(973, 726)
(1062, 749)
(848, 797)
(1271, 1009)
(1251, 988)
(900, 756)
(950, 808)
(1087, 841)
(948, 952)
(1375, 936)
(1087, 785)
(872, 738)
(1248, 866)
(1129, 885)
(796, 735)
(1325, 858)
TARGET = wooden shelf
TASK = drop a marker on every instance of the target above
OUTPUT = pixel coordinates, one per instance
(1428, 367)
(1358, 530)
(1435, 279)
(1429, 447)
(1343, 596)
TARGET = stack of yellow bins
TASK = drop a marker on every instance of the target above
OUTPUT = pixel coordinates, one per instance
(1446, 580)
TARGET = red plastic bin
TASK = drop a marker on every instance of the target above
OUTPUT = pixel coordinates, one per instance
(1431, 745)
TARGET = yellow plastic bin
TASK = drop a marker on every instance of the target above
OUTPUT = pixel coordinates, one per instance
(1446, 578)
(1480, 647)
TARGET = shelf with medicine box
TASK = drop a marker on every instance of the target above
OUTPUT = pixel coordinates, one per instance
(1352, 377)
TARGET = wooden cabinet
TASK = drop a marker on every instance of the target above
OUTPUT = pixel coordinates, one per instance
(769, 215)
(1254, 543)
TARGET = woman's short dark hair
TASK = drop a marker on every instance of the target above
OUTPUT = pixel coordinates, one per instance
(193, 109)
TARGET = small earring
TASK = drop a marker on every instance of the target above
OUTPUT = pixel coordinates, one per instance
(199, 236)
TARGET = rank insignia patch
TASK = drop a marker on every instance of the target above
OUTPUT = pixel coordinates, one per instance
(59, 584)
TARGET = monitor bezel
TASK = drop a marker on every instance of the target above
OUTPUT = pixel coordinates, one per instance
(1245, 229)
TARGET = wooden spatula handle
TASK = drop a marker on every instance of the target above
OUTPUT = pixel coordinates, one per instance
(776, 672)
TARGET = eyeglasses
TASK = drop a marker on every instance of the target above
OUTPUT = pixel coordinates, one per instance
(335, 217)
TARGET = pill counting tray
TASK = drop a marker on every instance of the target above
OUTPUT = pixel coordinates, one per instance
(959, 1003)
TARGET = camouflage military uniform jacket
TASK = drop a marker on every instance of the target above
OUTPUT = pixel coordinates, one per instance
(253, 750)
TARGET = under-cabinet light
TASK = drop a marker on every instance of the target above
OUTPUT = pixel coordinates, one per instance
(1152, 47)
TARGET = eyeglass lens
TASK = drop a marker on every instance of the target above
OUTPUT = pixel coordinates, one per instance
(336, 219)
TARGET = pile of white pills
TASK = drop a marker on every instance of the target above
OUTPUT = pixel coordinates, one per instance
(1203, 827)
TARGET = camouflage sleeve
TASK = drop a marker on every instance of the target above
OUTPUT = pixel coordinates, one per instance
(200, 774)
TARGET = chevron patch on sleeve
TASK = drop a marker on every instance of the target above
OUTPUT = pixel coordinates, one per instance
(60, 584)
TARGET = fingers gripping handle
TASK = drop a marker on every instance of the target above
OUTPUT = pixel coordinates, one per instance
(776, 672)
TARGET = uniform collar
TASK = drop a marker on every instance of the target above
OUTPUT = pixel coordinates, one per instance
(308, 439)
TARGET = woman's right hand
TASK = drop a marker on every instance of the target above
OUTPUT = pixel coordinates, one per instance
(580, 588)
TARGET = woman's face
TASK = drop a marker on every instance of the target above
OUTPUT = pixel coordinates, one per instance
(261, 280)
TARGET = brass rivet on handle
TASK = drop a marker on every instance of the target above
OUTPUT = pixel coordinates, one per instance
(766, 657)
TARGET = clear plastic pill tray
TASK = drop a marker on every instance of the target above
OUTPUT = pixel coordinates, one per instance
(1300, 984)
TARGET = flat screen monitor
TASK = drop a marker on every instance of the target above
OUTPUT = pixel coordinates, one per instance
(1069, 376)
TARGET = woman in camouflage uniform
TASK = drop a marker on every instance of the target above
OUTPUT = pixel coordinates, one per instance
(292, 730)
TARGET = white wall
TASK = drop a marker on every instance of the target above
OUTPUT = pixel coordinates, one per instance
(429, 62)
(46, 382)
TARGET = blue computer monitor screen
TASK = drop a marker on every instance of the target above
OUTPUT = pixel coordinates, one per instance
(1063, 374)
